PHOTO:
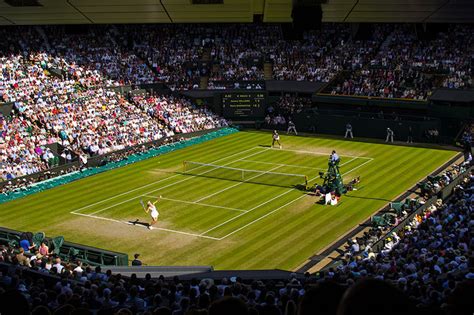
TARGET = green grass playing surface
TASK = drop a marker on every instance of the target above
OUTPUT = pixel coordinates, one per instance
(226, 223)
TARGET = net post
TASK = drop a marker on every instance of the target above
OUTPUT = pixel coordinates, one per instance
(184, 166)
(306, 181)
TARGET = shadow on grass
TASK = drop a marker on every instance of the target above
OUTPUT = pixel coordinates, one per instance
(137, 222)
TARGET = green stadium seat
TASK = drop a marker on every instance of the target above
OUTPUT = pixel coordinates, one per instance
(398, 207)
(434, 179)
(57, 243)
(424, 186)
(75, 253)
(13, 240)
(378, 220)
(38, 238)
(389, 218)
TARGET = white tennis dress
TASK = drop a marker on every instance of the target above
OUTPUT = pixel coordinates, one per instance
(154, 213)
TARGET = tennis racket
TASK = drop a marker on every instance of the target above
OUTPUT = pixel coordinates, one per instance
(143, 205)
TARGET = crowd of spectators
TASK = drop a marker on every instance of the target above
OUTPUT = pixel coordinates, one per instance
(388, 61)
(178, 114)
(430, 255)
(310, 59)
(240, 51)
(93, 121)
(97, 121)
(65, 95)
(99, 50)
(237, 85)
(405, 66)
(23, 148)
(171, 50)
(284, 109)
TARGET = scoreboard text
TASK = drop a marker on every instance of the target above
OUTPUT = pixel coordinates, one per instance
(243, 104)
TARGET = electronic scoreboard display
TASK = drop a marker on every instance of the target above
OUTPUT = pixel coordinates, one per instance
(243, 104)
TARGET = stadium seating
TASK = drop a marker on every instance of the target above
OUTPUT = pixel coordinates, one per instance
(38, 238)
(62, 87)
(390, 63)
(51, 114)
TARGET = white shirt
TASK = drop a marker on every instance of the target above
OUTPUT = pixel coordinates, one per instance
(78, 269)
(154, 212)
(59, 267)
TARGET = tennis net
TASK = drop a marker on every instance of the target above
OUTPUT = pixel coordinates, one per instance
(244, 175)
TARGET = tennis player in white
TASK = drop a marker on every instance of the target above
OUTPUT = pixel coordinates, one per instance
(276, 138)
(151, 208)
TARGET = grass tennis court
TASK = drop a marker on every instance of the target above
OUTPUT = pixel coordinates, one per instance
(214, 216)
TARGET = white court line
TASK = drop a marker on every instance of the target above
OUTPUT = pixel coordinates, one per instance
(348, 162)
(153, 183)
(320, 153)
(169, 185)
(225, 222)
(262, 217)
(238, 216)
(154, 228)
(259, 218)
(357, 167)
(291, 165)
(198, 203)
(243, 182)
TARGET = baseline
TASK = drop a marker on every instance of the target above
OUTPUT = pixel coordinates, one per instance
(319, 153)
(154, 228)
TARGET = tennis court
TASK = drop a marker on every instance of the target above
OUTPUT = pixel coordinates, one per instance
(229, 203)
(218, 218)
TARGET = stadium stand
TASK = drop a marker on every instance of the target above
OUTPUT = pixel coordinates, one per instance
(391, 62)
(77, 109)
(63, 87)
(408, 68)
(178, 114)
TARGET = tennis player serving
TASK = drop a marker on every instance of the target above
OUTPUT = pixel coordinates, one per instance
(151, 208)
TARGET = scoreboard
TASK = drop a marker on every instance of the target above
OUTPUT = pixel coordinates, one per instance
(244, 104)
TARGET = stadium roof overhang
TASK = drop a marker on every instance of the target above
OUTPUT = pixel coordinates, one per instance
(183, 11)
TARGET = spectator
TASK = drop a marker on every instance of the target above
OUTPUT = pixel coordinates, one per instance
(44, 249)
(26, 242)
(136, 261)
(22, 259)
(59, 267)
